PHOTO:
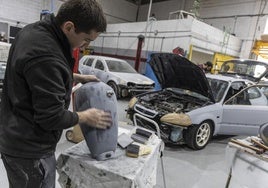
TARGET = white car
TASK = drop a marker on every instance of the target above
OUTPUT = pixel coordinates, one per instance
(192, 106)
(2, 75)
(117, 73)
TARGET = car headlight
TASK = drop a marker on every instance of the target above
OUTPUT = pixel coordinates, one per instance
(122, 82)
(176, 119)
(131, 84)
(132, 102)
(146, 82)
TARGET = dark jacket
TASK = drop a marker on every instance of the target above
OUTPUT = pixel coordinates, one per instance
(37, 91)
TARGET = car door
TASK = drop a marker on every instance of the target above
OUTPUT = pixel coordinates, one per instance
(244, 112)
(85, 67)
(100, 69)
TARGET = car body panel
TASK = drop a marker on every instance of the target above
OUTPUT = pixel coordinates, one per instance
(211, 112)
(242, 119)
(174, 71)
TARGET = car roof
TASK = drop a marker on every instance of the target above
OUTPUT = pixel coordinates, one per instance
(252, 60)
(102, 57)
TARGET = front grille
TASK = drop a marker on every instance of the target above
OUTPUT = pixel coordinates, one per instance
(144, 111)
(140, 86)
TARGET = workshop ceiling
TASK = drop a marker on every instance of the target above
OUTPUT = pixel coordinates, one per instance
(143, 2)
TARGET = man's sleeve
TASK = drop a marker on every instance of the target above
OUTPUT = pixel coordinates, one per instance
(47, 81)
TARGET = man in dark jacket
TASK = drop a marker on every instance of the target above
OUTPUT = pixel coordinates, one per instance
(207, 67)
(37, 90)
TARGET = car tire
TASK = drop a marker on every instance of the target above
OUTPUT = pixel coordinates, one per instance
(115, 88)
(198, 136)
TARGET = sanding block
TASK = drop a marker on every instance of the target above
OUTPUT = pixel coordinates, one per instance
(136, 150)
(133, 150)
(139, 138)
(144, 133)
(124, 140)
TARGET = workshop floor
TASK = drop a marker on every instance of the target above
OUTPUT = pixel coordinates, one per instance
(183, 167)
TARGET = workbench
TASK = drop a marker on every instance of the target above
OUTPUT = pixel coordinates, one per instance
(77, 169)
(247, 169)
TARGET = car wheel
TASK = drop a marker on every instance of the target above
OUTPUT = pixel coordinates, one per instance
(198, 136)
(115, 88)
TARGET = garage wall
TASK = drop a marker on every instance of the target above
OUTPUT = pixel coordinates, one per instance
(239, 17)
(23, 11)
(162, 9)
(118, 11)
(163, 36)
(201, 58)
(242, 18)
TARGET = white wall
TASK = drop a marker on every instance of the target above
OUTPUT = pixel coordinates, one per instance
(24, 11)
(238, 17)
(165, 35)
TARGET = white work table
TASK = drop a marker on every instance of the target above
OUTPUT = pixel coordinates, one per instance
(77, 169)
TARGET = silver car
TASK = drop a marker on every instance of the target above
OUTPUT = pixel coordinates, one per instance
(116, 73)
(192, 106)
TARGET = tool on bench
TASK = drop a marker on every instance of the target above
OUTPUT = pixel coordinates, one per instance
(259, 143)
(257, 150)
(136, 150)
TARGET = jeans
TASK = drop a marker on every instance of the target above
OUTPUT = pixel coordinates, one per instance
(30, 173)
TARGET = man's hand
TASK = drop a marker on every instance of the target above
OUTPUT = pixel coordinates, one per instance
(85, 78)
(95, 118)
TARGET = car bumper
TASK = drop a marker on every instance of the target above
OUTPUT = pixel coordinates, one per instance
(126, 91)
(169, 133)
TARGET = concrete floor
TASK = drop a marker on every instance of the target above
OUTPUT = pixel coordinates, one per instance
(184, 167)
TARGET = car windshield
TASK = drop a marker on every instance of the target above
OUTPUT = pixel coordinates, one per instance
(120, 66)
(218, 88)
(2, 69)
(249, 68)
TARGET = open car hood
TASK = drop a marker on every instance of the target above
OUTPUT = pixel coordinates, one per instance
(174, 71)
(247, 69)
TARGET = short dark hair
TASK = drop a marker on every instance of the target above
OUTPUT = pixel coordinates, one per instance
(85, 14)
(209, 64)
